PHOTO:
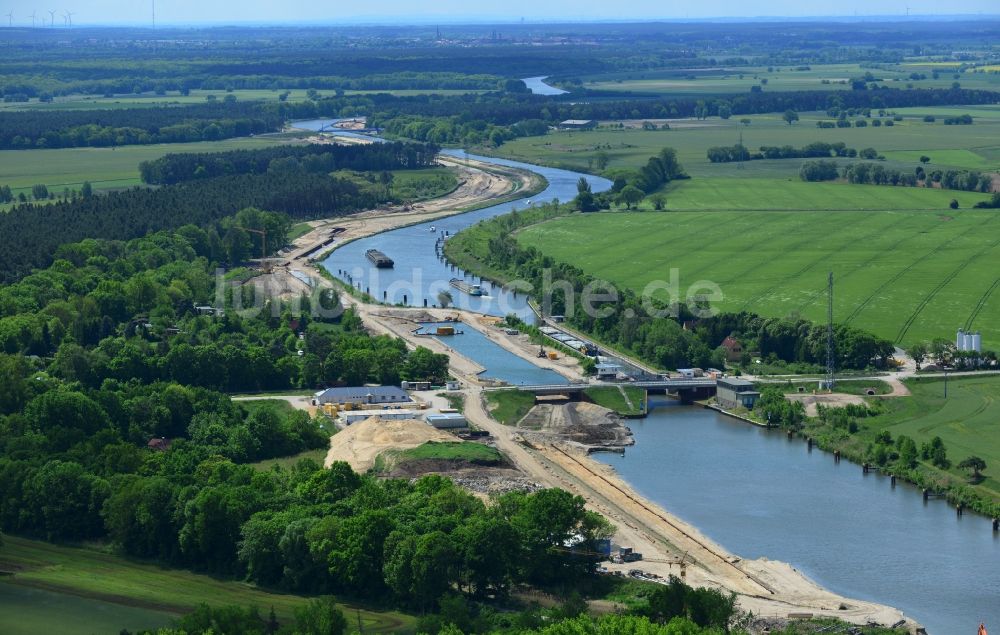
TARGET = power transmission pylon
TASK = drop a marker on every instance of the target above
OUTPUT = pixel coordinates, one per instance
(829, 334)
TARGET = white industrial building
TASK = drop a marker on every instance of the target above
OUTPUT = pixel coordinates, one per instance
(353, 416)
(447, 420)
(969, 341)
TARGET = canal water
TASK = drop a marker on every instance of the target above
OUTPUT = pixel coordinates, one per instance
(538, 86)
(749, 489)
(420, 274)
(498, 361)
(761, 495)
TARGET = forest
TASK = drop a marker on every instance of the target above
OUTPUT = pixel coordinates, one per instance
(103, 354)
(313, 158)
(287, 186)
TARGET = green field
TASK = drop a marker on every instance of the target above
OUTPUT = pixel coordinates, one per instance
(766, 194)
(509, 406)
(968, 422)
(28, 611)
(728, 81)
(905, 275)
(105, 168)
(82, 575)
(974, 146)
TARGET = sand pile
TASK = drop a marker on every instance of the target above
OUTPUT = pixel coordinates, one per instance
(360, 443)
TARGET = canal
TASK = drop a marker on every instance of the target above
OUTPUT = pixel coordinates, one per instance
(759, 494)
(498, 361)
(419, 273)
(749, 489)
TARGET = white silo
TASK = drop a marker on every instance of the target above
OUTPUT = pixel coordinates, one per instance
(977, 342)
(960, 340)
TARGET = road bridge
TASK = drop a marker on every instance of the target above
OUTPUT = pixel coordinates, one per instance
(687, 389)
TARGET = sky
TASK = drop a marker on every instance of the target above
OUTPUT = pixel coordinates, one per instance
(444, 11)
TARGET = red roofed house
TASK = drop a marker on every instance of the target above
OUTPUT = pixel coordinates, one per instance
(734, 349)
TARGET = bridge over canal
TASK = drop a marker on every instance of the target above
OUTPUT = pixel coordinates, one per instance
(687, 389)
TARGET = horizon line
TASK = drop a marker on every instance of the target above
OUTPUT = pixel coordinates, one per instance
(412, 21)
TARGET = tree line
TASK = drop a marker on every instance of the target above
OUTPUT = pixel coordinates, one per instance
(314, 158)
(876, 174)
(114, 127)
(739, 152)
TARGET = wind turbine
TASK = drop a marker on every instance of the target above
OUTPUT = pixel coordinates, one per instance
(32, 19)
(10, 20)
(52, 18)
(907, 11)
(153, 4)
(69, 18)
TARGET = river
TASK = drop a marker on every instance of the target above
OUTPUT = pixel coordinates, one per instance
(752, 490)
(538, 86)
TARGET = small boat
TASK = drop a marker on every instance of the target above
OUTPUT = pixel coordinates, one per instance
(379, 259)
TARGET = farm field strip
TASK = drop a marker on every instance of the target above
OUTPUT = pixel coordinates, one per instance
(103, 167)
(790, 278)
(905, 275)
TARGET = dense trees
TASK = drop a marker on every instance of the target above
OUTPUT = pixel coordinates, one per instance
(817, 149)
(115, 127)
(819, 171)
(877, 174)
(122, 436)
(314, 158)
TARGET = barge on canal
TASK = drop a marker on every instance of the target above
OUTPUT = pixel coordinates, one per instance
(465, 287)
(379, 259)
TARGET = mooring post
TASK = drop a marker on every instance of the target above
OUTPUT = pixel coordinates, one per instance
(809, 444)
(927, 493)
(404, 300)
(958, 509)
(996, 524)
(385, 295)
(892, 480)
(425, 303)
(836, 456)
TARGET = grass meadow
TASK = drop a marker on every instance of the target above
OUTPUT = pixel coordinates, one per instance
(105, 168)
(968, 422)
(99, 592)
(905, 275)
(973, 147)
(716, 81)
